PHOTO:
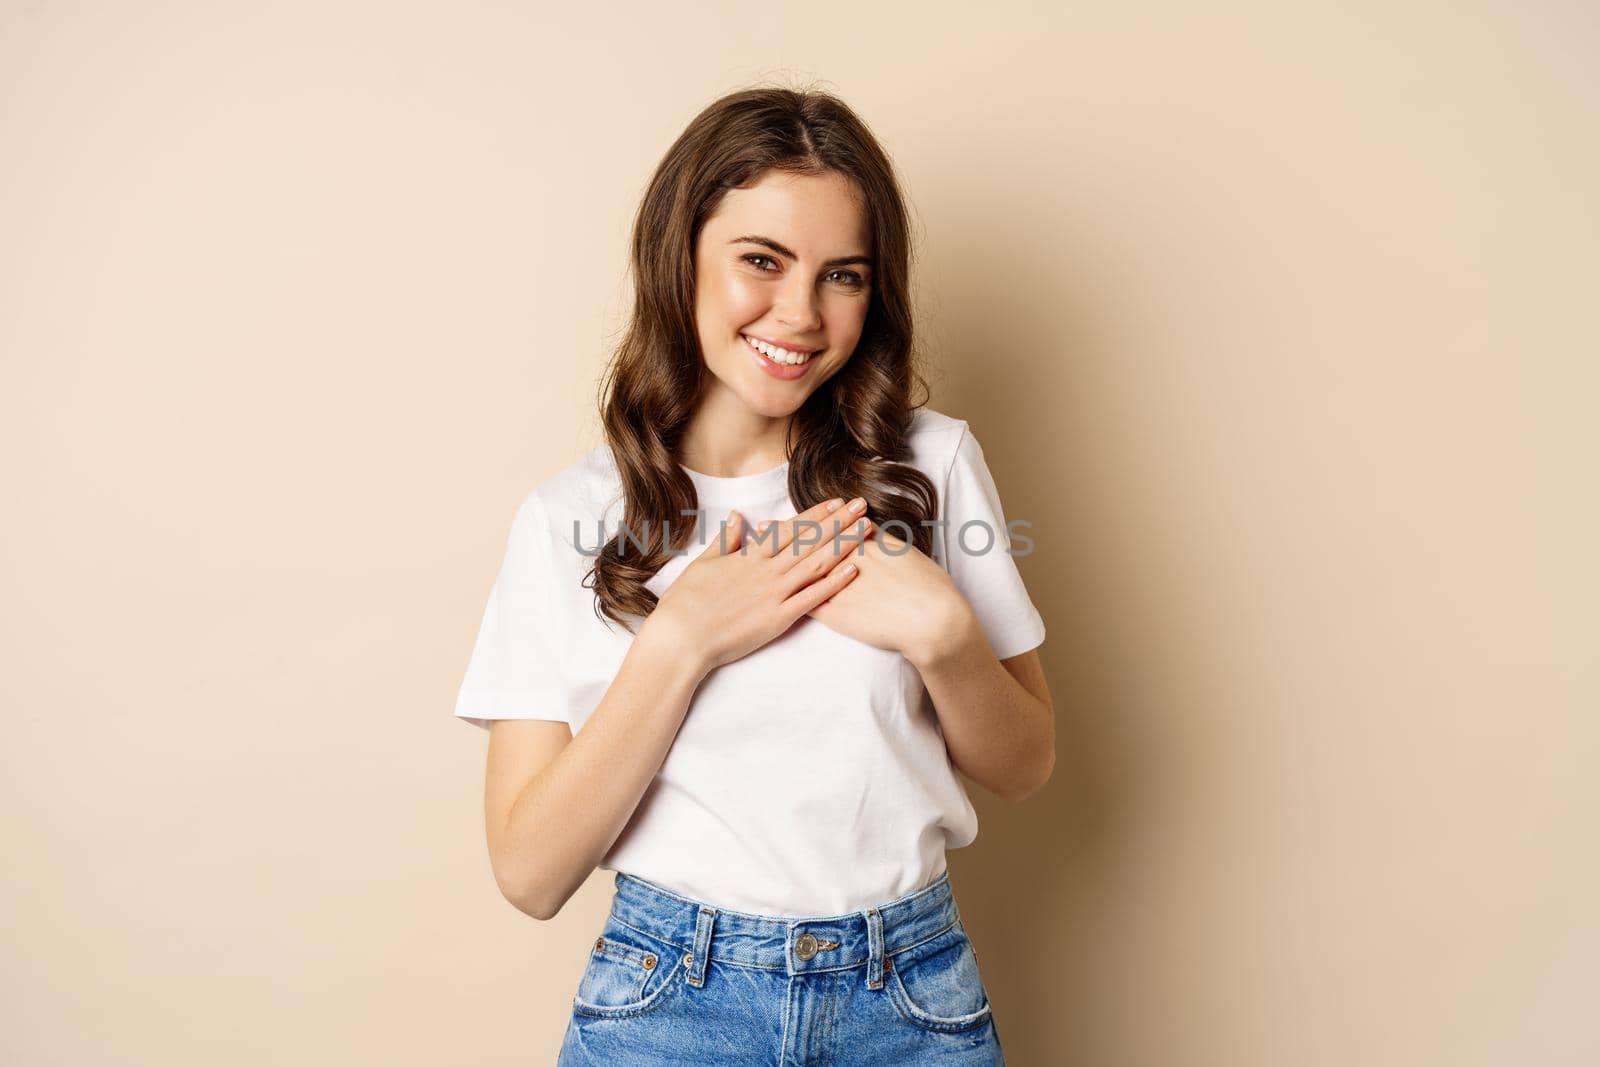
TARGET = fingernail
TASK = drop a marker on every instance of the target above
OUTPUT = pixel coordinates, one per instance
(858, 505)
(833, 505)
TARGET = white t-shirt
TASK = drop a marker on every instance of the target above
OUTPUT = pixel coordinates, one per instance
(809, 777)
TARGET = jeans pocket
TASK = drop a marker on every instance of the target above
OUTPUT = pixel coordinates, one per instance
(629, 972)
(936, 985)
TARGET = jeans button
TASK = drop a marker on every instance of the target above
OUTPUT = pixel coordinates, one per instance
(805, 946)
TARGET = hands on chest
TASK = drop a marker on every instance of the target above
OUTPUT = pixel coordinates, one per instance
(900, 600)
(830, 562)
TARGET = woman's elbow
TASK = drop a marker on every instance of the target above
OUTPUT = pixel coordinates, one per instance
(1025, 786)
(526, 896)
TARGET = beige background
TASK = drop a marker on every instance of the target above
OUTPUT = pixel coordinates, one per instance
(1278, 324)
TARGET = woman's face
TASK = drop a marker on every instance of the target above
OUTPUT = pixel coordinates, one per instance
(787, 262)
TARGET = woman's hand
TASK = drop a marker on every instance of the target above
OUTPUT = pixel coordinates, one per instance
(901, 600)
(741, 592)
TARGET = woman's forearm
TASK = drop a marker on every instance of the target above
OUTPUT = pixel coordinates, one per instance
(570, 813)
(998, 734)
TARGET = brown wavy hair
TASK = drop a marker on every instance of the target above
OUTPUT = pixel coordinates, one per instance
(849, 437)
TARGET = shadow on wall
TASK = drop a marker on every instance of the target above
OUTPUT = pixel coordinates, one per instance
(1036, 887)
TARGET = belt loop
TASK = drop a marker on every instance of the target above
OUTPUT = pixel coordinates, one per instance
(874, 949)
(702, 947)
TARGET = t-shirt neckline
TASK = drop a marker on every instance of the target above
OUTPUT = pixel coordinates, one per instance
(710, 486)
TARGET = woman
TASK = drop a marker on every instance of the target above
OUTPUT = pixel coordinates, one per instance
(710, 665)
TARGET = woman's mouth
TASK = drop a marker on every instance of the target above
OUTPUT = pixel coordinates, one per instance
(779, 362)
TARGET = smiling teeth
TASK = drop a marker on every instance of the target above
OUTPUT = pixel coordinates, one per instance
(776, 354)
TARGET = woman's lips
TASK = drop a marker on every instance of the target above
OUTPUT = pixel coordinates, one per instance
(779, 344)
(782, 371)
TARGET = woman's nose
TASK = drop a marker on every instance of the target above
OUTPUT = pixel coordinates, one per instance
(796, 307)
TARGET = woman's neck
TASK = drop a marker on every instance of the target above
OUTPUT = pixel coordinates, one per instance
(728, 440)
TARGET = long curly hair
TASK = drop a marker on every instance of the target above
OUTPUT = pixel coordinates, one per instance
(849, 437)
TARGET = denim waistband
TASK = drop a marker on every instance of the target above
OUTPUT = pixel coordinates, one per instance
(795, 944)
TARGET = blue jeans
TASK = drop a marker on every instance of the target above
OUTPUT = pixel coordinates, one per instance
(675, 981)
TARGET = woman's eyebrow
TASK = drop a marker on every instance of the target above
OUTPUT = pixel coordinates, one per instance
(767, 242)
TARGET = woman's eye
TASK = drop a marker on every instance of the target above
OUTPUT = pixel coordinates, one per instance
(849, 278)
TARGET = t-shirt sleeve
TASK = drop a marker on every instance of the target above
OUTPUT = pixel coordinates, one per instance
(515, 672)
(976, 557)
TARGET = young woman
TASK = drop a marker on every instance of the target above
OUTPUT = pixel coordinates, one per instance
(732, 655)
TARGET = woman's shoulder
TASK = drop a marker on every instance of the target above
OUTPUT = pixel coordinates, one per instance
(926, 422)
(584, 492)
(934, 438)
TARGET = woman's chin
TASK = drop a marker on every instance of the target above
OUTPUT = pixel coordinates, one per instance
(772, 404)
(769, 398)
